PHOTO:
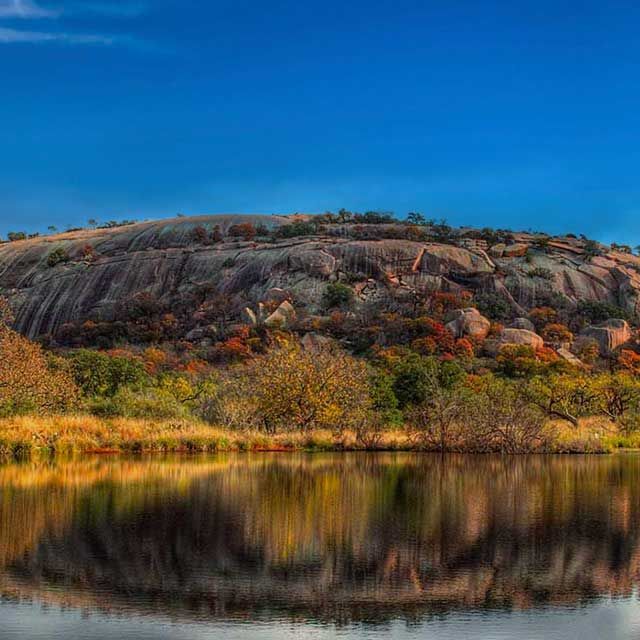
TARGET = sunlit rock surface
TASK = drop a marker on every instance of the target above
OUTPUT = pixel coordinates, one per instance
(107, 266)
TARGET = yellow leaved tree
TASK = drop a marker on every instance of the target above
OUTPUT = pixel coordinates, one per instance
(29, 382)
(295, 389)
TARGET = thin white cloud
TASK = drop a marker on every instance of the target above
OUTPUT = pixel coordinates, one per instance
(14, 36)
(24, 9)
(18, 9)
(110, 9)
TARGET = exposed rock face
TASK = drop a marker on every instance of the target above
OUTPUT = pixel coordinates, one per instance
(469, 323)
(166, 259)
(610, 335)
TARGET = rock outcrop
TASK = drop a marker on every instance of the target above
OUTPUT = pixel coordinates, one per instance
(520, 337)
(565, 354)
(469, 323)
(610, 335)
(282, 317)
(178, 260)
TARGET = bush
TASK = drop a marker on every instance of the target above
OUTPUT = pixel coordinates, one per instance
(152, 402)
(542, 316)
(557, 333)
(244, 230)
(296, 229)
(493, 306)
(337, 295)
(541, 272)
(595, 312)
(57, 256)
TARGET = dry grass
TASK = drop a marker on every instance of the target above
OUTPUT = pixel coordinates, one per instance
(592, 435)
(26, 436)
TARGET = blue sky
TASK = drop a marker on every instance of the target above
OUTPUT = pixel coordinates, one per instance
(513, 114)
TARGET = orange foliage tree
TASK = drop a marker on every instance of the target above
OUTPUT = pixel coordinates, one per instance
(28, 381)
(629, 361)
(557, 333)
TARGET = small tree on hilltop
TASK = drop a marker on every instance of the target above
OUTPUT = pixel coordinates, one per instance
(244, 230)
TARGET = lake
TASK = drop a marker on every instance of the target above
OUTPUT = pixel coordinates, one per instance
(287, 546)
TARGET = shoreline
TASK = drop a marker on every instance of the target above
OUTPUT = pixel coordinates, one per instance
(25, 437)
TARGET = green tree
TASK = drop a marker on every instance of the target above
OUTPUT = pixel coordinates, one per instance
(415, 376)
(416, 218)
(564, 396)
(99, 374)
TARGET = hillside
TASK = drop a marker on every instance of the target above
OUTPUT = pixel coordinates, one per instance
(184, 263)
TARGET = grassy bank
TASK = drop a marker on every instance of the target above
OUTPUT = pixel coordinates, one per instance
(27, 436)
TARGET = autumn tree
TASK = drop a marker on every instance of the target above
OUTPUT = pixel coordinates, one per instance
(542, 316)
(299, 390)
(557, 333)
(29, 382)
(629, 361)
(244, 230)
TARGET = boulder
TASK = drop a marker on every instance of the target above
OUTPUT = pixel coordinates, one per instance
(283, 316)
(469, 323)
(520, 337)
(515, 250)
(522, 323)
(497, 250)
(315, 342)
(609, 335)
(565, 354)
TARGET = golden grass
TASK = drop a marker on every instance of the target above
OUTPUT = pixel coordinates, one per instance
(25, 436)
(592, 435)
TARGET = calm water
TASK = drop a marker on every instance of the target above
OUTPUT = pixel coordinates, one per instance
(321, 546)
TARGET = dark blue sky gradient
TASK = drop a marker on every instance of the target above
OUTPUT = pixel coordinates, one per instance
(508, 114)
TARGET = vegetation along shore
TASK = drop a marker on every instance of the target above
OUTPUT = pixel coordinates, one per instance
(336, 332)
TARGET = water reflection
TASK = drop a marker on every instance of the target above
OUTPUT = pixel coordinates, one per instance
(335, 538)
